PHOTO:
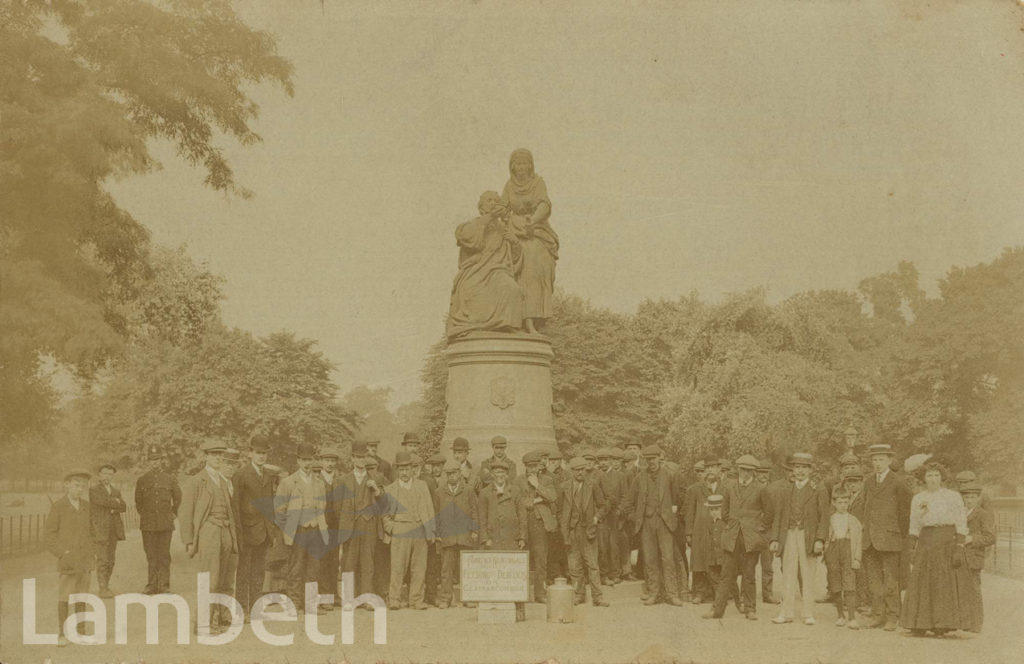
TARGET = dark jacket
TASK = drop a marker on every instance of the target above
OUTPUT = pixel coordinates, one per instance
(664, 497)
(747, 511)
(255, 499)
(485, 468)
(808, 507)
(502, 519)
(581, 509)
(457, 515)
(981, 526)
(886, 512)
(69, 537)
(106, 510)
(157, 498)
(359, 507)
(543, 509)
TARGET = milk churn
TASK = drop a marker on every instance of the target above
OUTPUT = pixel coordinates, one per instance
(560, 596)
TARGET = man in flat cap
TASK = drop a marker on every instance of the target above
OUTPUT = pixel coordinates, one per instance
(458, 525)
(70, 539)
(157, 499)
(652, 508)
(538, 505)
(410, 526)
(302, 517)
(330, 564)
(614, 485)
(798, 534)
(358, 518)
(209, 530)
(583, 506)
(499, 447)
(558, 562)
(886, 522)
(106, 507)
(748, 519)
(254, 492)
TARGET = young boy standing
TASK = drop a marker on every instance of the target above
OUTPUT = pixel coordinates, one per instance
(69, 537)
(842, 557)
(981, 529)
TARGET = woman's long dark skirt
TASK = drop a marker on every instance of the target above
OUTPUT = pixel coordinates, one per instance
(932, 599)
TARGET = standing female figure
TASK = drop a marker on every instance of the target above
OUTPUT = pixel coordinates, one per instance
(938, 528)
(526, 196)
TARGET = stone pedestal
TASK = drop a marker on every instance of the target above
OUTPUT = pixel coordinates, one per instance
(500, 384)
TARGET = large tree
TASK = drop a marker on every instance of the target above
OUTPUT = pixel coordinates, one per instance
(85, 85)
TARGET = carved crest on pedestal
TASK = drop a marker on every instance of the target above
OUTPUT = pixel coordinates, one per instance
(503, 392)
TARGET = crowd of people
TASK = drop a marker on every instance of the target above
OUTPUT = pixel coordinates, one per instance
(903, 545)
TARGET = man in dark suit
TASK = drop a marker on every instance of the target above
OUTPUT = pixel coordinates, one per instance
(254, 493)
(652, 508)
(457, 526)
(583, 507)
(613, 485)
(538, 497)
(358, 519)
(886, 521)
(157, 498)
(209, 530)
(799, 530)
(748, 518)
(331, 562)
(106, 507)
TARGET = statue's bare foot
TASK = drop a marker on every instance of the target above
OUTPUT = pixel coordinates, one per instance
(528, 323)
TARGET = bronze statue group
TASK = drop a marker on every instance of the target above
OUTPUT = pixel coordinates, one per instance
(903, 546)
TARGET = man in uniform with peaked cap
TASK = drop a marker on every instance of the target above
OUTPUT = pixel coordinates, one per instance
(157, 499)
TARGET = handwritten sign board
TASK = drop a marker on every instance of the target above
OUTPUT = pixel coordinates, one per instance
(494, 576)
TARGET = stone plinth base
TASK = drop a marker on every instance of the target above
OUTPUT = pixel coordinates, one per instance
(500, 384)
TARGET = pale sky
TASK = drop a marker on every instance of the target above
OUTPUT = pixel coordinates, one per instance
(708, 146)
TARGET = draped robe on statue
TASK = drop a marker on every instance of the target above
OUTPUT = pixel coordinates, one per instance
(485, 295)
(540, 244)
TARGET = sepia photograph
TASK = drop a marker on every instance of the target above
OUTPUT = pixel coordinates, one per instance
(511, 331)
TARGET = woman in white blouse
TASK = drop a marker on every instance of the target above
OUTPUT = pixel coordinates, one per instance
(938, 526)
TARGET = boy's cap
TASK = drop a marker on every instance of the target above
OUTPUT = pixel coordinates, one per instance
(747, 461)
(499, 441)
(77, 472)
